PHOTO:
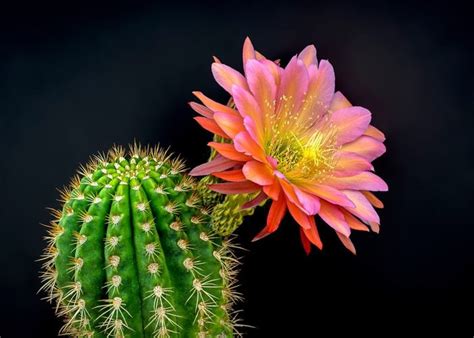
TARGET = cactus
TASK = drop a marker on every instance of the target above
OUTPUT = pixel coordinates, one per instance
(132, 253)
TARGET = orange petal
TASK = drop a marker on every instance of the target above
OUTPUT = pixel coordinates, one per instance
(308, 56)
(353, 222)
(210, 125)
(231, 175)
(230, 124)
(313, 235)
(228, 150)
(305, 242)
(273, 190)
(275, 215)
(235, 187)
(213, 105)
(375, 133)
(375, 227)
(248, 107)
(300, 217)
(243, 142)
(258, 172)
(333, 216)
(347, 242)
(373, 199)
(248, 52)
(256, 201)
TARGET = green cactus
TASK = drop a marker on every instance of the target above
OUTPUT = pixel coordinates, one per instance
(132, 253)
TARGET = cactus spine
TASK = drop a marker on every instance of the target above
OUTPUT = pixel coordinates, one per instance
(132, 253)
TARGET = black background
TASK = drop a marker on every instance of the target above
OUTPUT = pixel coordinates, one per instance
(77, 77)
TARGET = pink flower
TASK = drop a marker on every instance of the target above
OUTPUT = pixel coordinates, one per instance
(290, 138)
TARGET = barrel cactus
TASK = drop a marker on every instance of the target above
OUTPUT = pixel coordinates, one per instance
(132, 253)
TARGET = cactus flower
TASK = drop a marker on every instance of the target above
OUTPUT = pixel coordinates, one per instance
(289, 137)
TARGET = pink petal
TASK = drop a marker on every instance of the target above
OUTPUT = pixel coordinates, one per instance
(333, 216)
(274, 69)
(203, 110)
(262, 84)
(365, 146)
(300, 217)
(351, 123)
(309, 202)
(293, 87)
(248, 107)
(339, 101)
(350, 164)
(363, 209)
(346, 242)
(275, 215)
(235, 188)
(217, 164)
(230, 124)
(248, 52)
(258, 172)
(329, 194)
(308, 56)
(226, 77)
(362, 181)
(244, 143)
(255, 202)
(320, 88)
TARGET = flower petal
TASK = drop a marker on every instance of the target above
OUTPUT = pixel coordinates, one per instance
(293, 87)
(308, 56)
(217, 164)
(213, 105)
(312, 234)
(235, 187)
(309, 202)
(375, 133)
(231, 175)
(227, 150)
(258, 172)
(333, 216)
(300, 217)
(373, 199)
(363, 209)
(249, 108)
(256, 201)
(226, 77)
(230, 124)
(273, 190)
(353, 222)
(262, 84)
(305, 242)
(320, 89)
(248, 52)
(362, 181)
(351, 123)
(244, 143)
(210, 125)
(329, 194)
(202, 110)
(346, 241)
(349, 164)
(339, 101)
(365, 146)
(275, 215)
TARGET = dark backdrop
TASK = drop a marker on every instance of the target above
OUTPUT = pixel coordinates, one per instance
(77, 77)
